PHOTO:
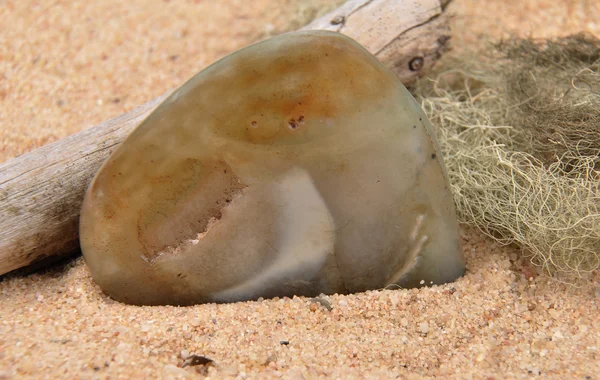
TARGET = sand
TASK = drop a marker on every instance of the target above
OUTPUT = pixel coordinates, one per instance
(65, 66)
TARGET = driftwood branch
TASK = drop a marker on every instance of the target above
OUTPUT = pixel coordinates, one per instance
(41, 192)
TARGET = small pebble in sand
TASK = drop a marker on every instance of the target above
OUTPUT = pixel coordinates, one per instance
(320, 301)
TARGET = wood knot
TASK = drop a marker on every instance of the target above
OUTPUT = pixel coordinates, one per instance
(338, 20)
(416, 64)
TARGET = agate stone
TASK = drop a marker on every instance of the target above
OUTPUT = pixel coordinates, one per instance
(296, 166)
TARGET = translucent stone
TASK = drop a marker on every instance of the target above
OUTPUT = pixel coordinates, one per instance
(296, 166)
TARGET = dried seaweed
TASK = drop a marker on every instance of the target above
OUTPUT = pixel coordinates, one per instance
(519, 128)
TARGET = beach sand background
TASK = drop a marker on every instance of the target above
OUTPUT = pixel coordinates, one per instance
(68, 65)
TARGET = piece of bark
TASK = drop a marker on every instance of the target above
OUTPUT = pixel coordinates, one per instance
(41, 192)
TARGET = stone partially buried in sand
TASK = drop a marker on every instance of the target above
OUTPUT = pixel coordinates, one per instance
(296, 166)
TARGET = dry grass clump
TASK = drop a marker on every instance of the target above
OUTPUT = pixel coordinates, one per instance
(519, 129)
(555, 90)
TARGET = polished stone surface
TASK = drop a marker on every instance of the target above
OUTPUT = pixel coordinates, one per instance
(296, 166)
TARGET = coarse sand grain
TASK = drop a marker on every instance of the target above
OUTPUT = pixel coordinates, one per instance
(65, 66)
